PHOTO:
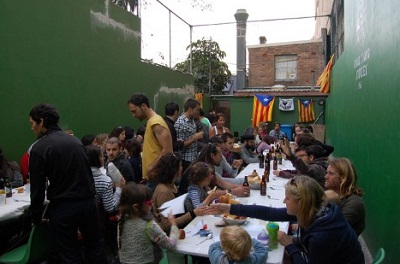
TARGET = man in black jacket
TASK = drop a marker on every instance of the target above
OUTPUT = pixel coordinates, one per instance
(61, 159)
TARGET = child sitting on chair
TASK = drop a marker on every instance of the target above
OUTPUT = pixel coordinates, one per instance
(236, 246)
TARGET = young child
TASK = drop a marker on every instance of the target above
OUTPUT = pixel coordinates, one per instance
(200, 174)
(140, 236)
(236, 246)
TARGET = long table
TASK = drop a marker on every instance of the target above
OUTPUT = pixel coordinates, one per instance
(14, 206)
(198, 246)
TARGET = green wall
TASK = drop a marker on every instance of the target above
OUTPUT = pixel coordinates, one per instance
(83, 57)
(241, 109)
(362, 114)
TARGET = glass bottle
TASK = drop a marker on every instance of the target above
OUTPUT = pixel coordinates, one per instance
(261, 160)
(280, 157)
(263, 186)
(266, 172)
(275, 164)
(246, 182)
(8, 188)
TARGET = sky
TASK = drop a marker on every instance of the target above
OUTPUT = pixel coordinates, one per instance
(156, 21)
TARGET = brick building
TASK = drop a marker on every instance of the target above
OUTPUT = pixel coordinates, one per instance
(289, 64)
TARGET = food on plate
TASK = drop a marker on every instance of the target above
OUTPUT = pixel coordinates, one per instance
(227, 198)
(255, 179)
(234, 219)
(182, 234)
(20, 190)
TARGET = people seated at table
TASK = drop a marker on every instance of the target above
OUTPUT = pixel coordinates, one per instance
(265, 144)
(118, 132)
(9, 171)
(200, 174)
(324, 234)
(306, 139)
(219, 127)
(212, 156)
(341, 177)
(228, 151)
(312, 163)
(88, 139)
(258, 134)
(276, 132)
(236, 246)
(141, 238)
(225, 169)
(288, 174)
(116, 155)
(248, 151)
(107, 201)
(133, 151)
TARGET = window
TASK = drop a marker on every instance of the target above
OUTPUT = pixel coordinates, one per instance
(286, 68)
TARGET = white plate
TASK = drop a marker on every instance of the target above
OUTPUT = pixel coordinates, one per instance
(230, 221)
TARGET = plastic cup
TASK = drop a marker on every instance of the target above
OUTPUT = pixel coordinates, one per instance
(272, 229)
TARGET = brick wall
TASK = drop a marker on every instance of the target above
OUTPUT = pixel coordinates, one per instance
(262, 63)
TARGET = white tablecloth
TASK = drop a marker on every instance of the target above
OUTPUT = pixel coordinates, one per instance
(15, 205)
(275, 195)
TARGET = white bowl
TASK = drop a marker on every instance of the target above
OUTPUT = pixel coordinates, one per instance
(230, 221)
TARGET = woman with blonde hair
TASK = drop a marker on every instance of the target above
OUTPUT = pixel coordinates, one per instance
(341, 177)
(324, 234)
(236, 246)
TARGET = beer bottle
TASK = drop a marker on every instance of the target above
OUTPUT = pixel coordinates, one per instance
(261, 159)
(266, 172)
(245, 183)
(263, 186)
(280, 157)
(275, 164)
(8, 188)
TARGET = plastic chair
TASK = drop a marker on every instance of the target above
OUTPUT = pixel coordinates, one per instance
(37, 249)
(380, 256)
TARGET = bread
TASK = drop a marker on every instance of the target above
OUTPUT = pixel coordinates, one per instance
(255, 179)
(182, 234)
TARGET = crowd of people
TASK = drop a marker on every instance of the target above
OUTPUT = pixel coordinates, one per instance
(182, 152)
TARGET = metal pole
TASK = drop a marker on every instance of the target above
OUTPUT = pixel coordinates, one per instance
(170, 38)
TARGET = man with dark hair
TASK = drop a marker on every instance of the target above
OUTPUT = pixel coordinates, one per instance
(276, 132)
(171, 115)
(157, 140)
(62, 160)
(247, 151)
(88, 139)
(186, 131)
(311, 163)
(116, 155)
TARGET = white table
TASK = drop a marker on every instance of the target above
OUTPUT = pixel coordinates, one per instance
(15, 205)
(275, 195)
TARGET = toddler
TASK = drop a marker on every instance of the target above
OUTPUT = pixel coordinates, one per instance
(236, 246)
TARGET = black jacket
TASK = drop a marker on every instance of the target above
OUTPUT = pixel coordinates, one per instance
(61, 158)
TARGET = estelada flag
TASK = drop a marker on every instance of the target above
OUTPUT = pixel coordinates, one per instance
(262, 108)
(199, 97)
(306, 111)
(324, 79)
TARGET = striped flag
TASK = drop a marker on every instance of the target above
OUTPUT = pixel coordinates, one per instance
(306, 111)
(262, 108)
(199, 97)
(324, 79)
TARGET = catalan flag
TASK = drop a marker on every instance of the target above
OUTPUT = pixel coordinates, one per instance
(199, 97)
(262, 108)
(306, 111)
(324, 79)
